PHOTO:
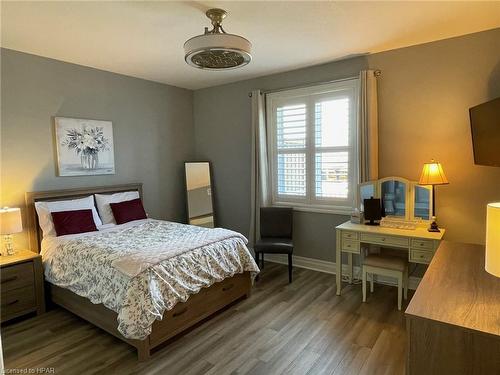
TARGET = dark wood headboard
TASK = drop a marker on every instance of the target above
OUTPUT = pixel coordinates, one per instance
(34, 231)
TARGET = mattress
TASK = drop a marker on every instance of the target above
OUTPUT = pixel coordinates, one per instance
(170, 262)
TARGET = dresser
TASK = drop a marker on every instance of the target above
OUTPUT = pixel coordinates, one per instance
(21, 285)
(453, 320)
(419, 244)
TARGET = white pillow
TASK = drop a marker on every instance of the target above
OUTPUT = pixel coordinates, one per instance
(45, 209)
(103, 201)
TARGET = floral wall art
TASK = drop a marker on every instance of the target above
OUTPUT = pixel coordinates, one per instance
(84, 147)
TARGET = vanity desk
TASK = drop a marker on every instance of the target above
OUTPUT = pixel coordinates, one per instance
(419, 243)
(402, 200)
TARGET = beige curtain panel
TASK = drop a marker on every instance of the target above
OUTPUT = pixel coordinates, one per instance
(368, 126)
(260, 193)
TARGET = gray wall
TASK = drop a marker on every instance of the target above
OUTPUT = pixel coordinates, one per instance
(424, 95)
(152, 125)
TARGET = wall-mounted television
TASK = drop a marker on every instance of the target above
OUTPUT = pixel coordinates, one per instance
(485, 127)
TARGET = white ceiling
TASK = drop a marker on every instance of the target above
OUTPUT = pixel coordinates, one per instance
(145, 39)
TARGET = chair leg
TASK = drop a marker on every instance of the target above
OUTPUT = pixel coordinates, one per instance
(372, 276)
(262, 261)
(290, 268)
(363, 278)
(400, 290)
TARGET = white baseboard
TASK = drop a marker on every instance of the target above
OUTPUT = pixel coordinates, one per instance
(330, 267)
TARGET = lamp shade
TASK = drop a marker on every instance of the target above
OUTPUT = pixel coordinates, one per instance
(10, 221)
(433, 174)
(492, 261)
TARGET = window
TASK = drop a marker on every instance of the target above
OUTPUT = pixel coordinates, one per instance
(312, 146)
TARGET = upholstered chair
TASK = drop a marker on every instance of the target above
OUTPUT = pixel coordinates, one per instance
(276, 230)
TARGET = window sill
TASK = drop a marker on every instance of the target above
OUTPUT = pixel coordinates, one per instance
(316, 209)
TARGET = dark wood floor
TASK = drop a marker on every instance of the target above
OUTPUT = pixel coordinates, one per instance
(301, 328)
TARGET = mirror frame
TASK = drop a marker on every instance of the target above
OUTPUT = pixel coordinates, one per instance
(212, 189)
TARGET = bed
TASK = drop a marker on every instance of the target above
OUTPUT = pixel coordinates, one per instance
(119, 280)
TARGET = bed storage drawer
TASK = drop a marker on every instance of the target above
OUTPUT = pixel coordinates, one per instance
(199, 306)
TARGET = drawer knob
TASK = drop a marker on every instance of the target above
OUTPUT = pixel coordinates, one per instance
(383, 239)
(9, 279)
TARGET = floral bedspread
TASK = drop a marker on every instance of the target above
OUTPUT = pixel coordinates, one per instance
(86, 266)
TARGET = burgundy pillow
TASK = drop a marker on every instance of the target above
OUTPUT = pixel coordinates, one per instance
(73, 222)
(128, 211)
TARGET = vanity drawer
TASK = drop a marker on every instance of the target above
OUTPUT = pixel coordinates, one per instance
(421, 256)
(350, 246)
(418, 243)
(384, 239)
(350, 235)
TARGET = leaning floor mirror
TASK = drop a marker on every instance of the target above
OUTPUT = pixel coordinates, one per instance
(200, 205)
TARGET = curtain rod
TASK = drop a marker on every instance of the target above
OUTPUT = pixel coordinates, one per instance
(376, 73)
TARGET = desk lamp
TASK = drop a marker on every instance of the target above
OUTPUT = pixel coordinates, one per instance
(432, 174)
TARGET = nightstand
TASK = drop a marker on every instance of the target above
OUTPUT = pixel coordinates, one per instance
(21, 284)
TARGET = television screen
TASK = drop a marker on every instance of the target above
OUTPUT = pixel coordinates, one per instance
(485, 126)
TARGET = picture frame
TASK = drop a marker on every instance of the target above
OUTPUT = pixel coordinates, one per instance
(84, 147)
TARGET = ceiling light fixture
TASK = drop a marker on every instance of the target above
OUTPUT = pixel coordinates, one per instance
(215, 49)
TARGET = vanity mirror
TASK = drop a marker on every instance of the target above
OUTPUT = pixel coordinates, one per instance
(401, 199)
(422, 205)
(393, 195)
(199, 195)
(367, 190)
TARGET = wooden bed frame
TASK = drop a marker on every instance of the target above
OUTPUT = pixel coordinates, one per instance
(183, 316)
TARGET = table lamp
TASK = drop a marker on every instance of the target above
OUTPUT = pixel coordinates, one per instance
(10, 222)
(432, 174)
(492, 261)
